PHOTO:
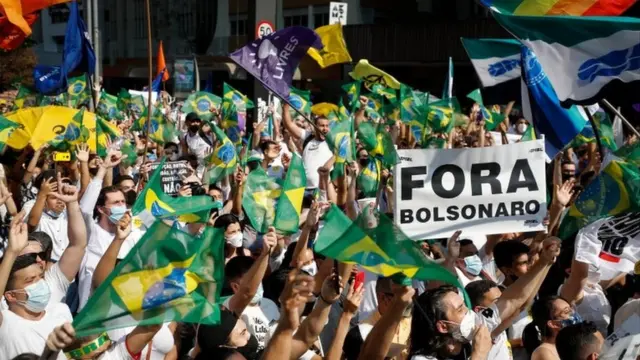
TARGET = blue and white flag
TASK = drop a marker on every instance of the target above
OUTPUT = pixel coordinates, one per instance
(495, 60)
(540, 104)
(447, 91)
(582, 56)
(274, 58)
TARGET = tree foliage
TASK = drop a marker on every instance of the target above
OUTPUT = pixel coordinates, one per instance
(17, 66)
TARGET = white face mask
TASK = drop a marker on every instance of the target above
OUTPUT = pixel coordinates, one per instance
(234, 240)
(311, 268)
(522, 128)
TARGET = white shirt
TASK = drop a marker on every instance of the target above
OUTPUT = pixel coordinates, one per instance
(261, 319)
(464, 280)
(314, 156)
(117, 351)
(161, 344)
(19, 335)
(54, 227)
(197, 146)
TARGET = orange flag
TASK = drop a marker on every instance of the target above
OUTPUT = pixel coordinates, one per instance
(12, 9)
(162, 65)
(12, 36)
(29, 6)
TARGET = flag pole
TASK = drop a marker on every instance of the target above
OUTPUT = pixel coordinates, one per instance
(608, 105)
(595, 131)
(150, 65)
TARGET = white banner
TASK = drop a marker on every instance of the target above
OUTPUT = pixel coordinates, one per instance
(338, 12)
(481, 191)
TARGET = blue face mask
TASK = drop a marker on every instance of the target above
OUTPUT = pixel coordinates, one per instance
(574, 319)
(117, 212)
(473, 265)
(52, 213)
(38, 295)
(218, 204)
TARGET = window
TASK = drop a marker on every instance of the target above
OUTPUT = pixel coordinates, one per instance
(139, 19)
(321, 19)
(296, 20)
(239, 27)
(59, 14)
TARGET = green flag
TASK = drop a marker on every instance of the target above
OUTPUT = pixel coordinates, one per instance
(378, 143)
(153, 203)
(287, 218)
(103, 133)
(75, 133)
(353, 94)
(108, 106)
(476, 96)
(6, 128)
(369, 178)
(169, 275)
(260, 198)
(25, 98)
(529, 135)
(340, 140)
(201, 104)
(301, 100)
(375, 243)
(224, 159)
(79, 92)
(161, 130)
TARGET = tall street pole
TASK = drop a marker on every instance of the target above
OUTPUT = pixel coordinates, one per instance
(97, 48)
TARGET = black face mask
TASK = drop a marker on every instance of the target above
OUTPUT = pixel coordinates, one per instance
(250, 351)
(130, 197)
(566, 177)
(194, 128)
(364, 162)
(93, 171)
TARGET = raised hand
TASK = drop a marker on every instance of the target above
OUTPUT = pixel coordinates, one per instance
(48, 187)
(352, 302)
(113, 159)
(67, 194)
(124, 227)
(269, 240)
(550, 250)
(4, 194)
(315, 212)
(239, 176)
(328, 293)
(453, 246)
(297, 291)
(82, 153)
(61, 337)
(18, 234)
(363, 101)
(564, 192)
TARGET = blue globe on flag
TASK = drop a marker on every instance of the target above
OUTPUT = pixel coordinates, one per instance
(343, 148)
(154, 126)
(170, 288)
(295, 101)
(77, 88)
(203, 105)
(226, 153)
(72, 132)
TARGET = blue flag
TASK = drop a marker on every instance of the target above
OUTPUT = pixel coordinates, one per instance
(208, 87)
(274, 58)
(541, 105)
(156, 85)
(78, 53)
(47, 79)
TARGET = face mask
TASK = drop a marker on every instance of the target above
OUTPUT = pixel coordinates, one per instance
(217, 204)
(194, 128)
(117, 212)
(258, 296)
(234, 240)
(93, 171)
(311, 268)
(130, 197)
(522, 128)
(473, 265)
(364, 162)
(250, 351)
(574, 319)
(463, 332)
(38, 295)
(52, 213)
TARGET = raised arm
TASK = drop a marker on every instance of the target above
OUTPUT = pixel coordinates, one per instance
(516, 295)
(252, 280)
(28, 175)
(291, 127)
(71, 258)
(48, 187)
(238, 189)
(108, 261)
(350, 307)
(18, 240)
(82, 154)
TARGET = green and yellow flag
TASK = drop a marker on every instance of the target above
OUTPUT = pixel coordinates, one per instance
(335, 48)
(169, 275)
(440, 115)
(108, 107)
(341, 141)
(201, 104)
(25, 98)
(260, 199)
(388, 93)
(6, 128)
(224, 159)
(324, 109)
(237, 97)
(104, 132)
(368, 180)
(529, 135)
(371, 75)
(378, 143)
(492, 119)
(287, 218)
(128, 103)
(161, 131)
(353, 94)
(75, 133)
(375, 243)
(78, 91)
(300, 99)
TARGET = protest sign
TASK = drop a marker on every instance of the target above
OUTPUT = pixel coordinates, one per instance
(612, 245)
(512, 138)
(171, 175)
(481, 191)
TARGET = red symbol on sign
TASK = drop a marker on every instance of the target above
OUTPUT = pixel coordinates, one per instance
(264, 28)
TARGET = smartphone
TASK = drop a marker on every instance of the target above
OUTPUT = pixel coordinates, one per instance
(61, 156)
(336, 283)
(359, 280)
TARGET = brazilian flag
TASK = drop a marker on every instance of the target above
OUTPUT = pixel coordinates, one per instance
(440, 115)
(237, 97)
(368, 180)
(161, 131)
(224, 159)
(108, 107)
(614, 191)
(378, 143)
(232, 115)
(341, 141)
(353, 93)
(153, 203)
(104, 132)
(201, 104)
(78, 91)
(260, 199)
(389, 93)
(287, 218)
(434, 142)
(128, 103)
(169, 275)
(75, 133)
(25, 98)
(375, 243)
(413, 105)
(529, 135)
(6, 128)
(300, 99)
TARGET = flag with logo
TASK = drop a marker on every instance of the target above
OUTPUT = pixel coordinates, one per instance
(378, 143)
(224, 159)
(300, 99)
(440, 115)
(104, 134)
(161, 131)
(78, 91)
(153, 203)
(241, 103)
(274, 58)
(287, 218)
(561, 7)
(341, 141)
(75, 133)
(371, 75)
(541, 105)
(78, 53)
(260, 199)
(368, 179)
(581, 55)
(169, 275)
(377, 245)
(334, 50)
(495, 60)
(11, 36)
(108, 106)
(614, 191)
(201, 103)
(491, 119)
(6, 128)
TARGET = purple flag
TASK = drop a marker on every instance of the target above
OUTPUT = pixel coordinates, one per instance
(274, 58)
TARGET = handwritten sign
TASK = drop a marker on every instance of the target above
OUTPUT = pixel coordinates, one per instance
(171, 175)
